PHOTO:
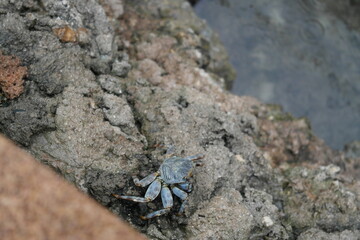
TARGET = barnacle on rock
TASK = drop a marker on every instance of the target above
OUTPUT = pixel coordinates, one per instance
(68, 34)
(65, 34)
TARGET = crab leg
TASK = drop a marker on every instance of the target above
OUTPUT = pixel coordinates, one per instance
(152, 192)
(186, 186)
(195, 157)
(167, 201)
(182, 195)
(155, 214)
(131, 198)
(145, 181)
(170, 149)
(166, 197)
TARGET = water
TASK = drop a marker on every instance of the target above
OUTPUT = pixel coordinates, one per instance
(302, 54)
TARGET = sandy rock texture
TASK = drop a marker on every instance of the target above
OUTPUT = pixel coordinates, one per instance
(35, 203)
(133, 74)
(314, 233)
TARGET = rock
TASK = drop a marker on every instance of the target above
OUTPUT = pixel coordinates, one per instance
(11, 76)
(267, 216)
(119, 114)
(286, 140)
(111, 84)
(224, 217)
(154, 232)
(262, 169)
(117, 111)
(151, 71)
(113, 8)
(120, 68)
(184, 20)
(315, 234)
(321, 200)
(26, 117)
(105, 43)
(36, 204)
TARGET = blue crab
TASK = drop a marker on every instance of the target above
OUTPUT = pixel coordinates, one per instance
(173, 174)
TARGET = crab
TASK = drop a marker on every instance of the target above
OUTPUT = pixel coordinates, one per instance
(172, 176)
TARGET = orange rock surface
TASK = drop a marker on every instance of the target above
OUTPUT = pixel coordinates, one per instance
(11, 76)
(35, 203)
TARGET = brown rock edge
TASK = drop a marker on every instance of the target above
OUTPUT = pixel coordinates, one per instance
(35, 203)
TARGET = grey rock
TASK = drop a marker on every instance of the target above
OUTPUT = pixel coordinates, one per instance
(321, 200)
(101, 65)
(224, 217)
(315, 234)
(111, 84)
(200, 127)
(215, 57)
(120, 68)
(26, 117)
(267, 216)
(97, 129)
(105, 43)
(116, 7)
(155, 233)
(58, 115)
(52, 65)
(119, 113)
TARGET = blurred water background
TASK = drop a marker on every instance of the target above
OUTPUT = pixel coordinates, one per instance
(302, 54)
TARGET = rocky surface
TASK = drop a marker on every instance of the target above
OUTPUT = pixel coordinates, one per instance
(100, 95)
(314, 233)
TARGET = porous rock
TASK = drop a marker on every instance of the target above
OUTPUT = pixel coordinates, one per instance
(97, 127)
(317, 234)
(224, 217)
(110, 83)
